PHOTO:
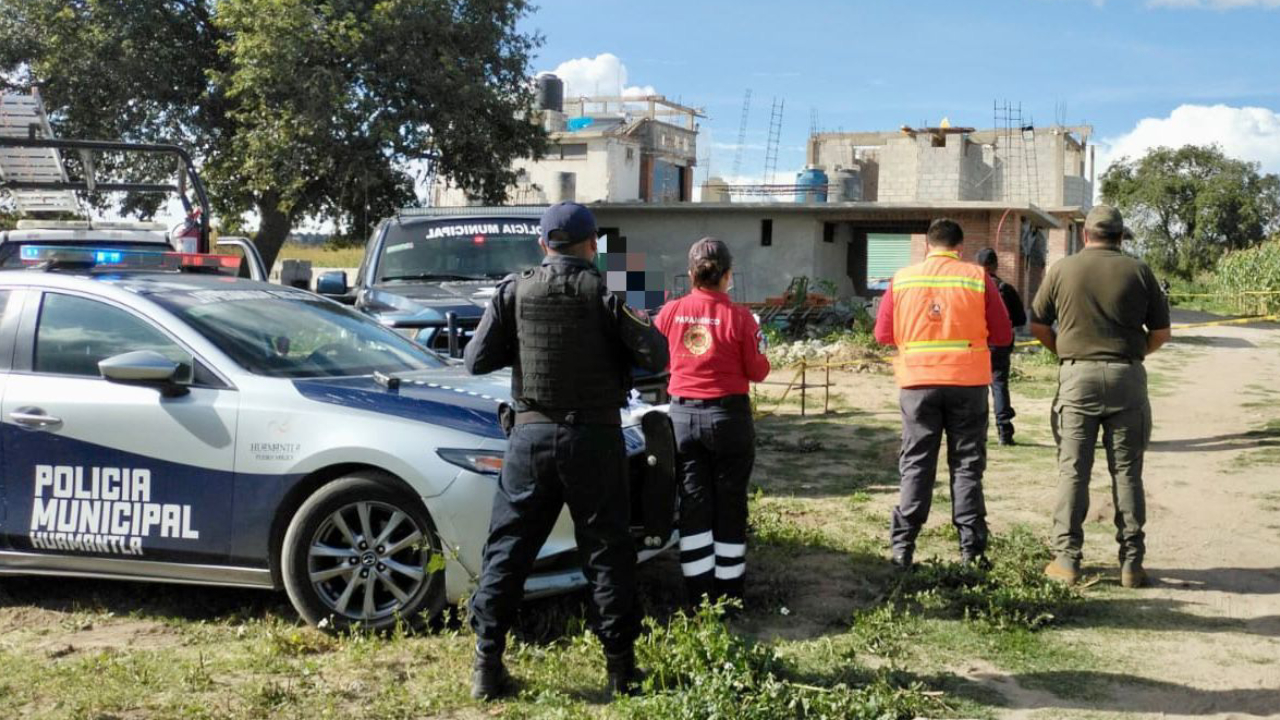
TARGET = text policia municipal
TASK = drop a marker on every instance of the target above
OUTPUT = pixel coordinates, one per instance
(102, 510)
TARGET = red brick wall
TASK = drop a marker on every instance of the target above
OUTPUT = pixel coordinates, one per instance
(980, 230)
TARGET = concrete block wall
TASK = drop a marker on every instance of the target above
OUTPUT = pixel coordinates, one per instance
(869, 167)
(1046, 172)
(975, 174)
(1077, 191)
(899, 164)
(664, 239)
(912, 169)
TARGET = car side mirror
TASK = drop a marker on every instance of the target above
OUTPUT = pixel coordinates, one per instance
(146, 368)
(332, 283)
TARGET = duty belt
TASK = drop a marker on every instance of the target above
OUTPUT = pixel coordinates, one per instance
(591, 416)
(722, 401)
(1107, 361)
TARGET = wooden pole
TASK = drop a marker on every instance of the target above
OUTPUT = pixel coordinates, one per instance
(826, 390)
(804, 383)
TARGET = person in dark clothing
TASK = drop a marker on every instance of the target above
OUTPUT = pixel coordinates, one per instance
(571, 345)
(717, 350)
(1001, 355)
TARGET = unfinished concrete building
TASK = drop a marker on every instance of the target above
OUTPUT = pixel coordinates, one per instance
(603, 149)
(1047, 167)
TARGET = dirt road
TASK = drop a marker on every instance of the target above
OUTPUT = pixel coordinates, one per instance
(1204, 640)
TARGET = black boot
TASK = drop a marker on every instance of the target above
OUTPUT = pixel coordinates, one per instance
(902, 561)
(1005, 434)
(489, 678)
(624, 677)
(698, 588)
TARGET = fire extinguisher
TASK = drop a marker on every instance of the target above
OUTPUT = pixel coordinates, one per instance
(186, 238)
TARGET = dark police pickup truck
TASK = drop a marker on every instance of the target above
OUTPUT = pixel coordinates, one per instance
(429, 272)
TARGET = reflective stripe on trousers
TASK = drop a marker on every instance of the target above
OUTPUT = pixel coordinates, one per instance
(716, 448)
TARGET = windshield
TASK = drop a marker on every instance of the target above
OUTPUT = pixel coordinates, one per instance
(293, 334)
(470, 249)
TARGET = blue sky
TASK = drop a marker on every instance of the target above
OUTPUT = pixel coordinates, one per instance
(1142, 72)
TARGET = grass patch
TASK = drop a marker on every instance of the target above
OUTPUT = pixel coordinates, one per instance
(1033, 373)
(699, 669)
(1012, 594)
(1264, 450)
(323, 255)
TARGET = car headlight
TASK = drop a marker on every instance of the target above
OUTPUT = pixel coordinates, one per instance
(484, 462)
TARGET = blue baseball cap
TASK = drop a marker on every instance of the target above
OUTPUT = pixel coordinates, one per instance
(574, 219)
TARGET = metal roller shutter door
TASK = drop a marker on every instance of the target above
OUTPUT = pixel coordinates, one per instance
(887, 254)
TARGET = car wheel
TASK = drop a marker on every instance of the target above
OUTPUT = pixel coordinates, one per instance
(363, 552)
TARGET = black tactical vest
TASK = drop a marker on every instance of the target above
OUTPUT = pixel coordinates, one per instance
(567, 357)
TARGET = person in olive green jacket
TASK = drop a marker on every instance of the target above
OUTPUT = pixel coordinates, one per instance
(1110, 313)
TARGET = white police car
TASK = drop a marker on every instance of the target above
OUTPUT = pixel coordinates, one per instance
(175, 424)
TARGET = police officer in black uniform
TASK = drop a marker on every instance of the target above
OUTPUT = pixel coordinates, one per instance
(571, 345)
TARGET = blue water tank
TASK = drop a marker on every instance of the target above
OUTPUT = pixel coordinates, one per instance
(811, 186)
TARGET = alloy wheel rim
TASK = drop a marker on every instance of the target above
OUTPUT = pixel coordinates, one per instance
(367, 560)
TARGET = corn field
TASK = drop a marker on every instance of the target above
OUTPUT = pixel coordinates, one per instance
(1251, 278)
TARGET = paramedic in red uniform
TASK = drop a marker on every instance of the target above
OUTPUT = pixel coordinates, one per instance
(716, 350)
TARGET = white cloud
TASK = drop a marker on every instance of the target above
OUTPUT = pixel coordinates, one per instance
(602, 75)
(1215, 4)
(1245, 133)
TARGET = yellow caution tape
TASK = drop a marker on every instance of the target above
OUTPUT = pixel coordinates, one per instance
(1234, 294)
(1232, 321)
(802, 366)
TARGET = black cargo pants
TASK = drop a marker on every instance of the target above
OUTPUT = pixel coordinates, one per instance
(716, 449)
(1001, 360)
(546, 466)
(928, 413)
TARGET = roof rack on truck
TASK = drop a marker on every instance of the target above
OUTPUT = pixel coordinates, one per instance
(33, 172)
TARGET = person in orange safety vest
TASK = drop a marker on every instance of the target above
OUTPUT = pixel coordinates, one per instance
(942, 314)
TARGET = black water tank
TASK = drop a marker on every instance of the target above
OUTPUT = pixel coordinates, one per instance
(550, 92)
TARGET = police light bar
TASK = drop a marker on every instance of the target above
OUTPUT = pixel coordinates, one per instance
(53, 256)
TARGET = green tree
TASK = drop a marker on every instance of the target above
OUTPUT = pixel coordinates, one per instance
(294, 108)
(1188, 206)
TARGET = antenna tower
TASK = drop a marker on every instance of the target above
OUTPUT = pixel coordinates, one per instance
(742, 134)
(775, 133)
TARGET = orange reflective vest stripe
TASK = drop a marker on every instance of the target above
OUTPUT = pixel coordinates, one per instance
(940, 323)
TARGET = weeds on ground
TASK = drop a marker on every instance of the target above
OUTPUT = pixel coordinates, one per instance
(699, 669)
(1037, 356)
(1012, 594)
(768, 525)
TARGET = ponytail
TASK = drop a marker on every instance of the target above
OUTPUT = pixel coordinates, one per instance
(709, 260)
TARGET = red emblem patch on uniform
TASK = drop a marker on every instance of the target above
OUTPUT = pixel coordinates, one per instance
(935, 310)
(697, 339)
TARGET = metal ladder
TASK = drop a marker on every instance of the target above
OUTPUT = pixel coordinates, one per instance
(23, 116)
